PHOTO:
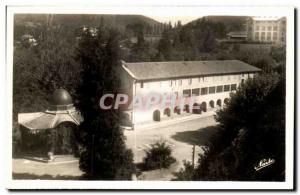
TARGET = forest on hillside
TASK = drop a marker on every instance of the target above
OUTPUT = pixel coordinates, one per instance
(51, 63)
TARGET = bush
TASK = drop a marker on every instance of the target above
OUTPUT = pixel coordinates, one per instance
(186, 173)
(158, 156)
(255, 114)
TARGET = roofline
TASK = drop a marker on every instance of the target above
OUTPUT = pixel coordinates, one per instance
(127, 70)
(194, 76)
(123, 62)
(184, 76)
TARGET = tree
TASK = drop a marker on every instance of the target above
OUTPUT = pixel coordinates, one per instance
(207, 40)
(104, 154)
(141, 50)
(158, 156)
(165, 46)
(251, 128)
(258, 57)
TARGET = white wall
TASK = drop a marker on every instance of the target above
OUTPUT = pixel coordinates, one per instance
(165, 87)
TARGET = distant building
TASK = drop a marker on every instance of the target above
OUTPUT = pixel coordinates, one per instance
(83, 29)
(29, 39)
(208, 82)
(147, 38)
(267, 29)
(237, 36)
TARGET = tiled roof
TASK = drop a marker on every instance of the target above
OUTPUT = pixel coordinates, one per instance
(237, 34)
(177, 69)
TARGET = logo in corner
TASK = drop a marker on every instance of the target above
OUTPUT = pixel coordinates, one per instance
(264, 163)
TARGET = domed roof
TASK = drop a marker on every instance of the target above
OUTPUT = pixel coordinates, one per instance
(61, 97)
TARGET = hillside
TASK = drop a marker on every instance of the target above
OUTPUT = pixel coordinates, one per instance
(232, 23)
(119, 21)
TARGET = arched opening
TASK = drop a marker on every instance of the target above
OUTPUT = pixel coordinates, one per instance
(187, 108)
(62, 139)
(177, 110)
(203, 106)
(196, 108)
(226, 101)
(156, 115)
(65, 139)
(219, 102)
(212, 104)
(167, 112)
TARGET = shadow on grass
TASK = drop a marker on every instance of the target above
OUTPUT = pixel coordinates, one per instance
(198, 137)
(25, 176)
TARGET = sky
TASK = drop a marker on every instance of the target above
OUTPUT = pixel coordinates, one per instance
(173, 19)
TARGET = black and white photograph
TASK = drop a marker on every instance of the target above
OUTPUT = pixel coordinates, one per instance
(184, 97)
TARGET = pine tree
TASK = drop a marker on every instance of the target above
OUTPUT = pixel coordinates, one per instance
(104, 154)
(165, 46)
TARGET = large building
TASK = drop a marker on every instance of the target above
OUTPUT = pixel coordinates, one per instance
(209, 83)
(267, 29)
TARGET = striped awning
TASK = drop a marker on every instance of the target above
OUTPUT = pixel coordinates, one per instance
(48, 119)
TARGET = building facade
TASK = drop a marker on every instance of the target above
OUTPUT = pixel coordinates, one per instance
(187, 87)
(237, 36)
(267, 29)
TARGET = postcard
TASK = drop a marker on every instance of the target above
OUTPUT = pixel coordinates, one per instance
(150, 98)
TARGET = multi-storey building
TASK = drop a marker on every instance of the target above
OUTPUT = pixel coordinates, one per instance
(267, 29)
(207, 83)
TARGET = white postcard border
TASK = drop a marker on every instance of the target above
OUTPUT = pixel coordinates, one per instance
(184, 10)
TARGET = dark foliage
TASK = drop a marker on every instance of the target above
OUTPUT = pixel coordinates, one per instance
(158, 156)
(60, 140)
(252, 128)
(186, 173)
(104, 154)
(39, 70)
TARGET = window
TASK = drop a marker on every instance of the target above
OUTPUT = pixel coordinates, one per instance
(187, 93)
(233, 87)
(263, 34)
(212, 90)
(170, 83)
(275, 28)
(142, 85)
(204, 91)
(263, 28)
(195, 92)
(190, 81)
(180, 82)
(220, 89)
(275, 36)
(269, 28)
(176, 94)
(226, 87)
(269, 36)
(257, 27)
